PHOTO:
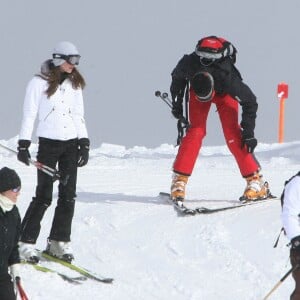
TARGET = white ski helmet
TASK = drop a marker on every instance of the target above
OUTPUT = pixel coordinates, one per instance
(64, 49)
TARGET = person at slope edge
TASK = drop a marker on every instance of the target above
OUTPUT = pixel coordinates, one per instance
(55, 96)
(210, 76)
(290, 220)
(10, 223)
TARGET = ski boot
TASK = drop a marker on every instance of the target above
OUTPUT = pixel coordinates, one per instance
(178, 187)
(60, 249)
(256, 189)
(28, 253)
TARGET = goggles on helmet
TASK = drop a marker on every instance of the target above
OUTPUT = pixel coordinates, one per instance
(72, 59)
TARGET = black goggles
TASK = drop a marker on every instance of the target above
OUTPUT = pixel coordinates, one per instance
(71, 59)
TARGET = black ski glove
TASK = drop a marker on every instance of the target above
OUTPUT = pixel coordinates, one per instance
(295, 243)
(23, 152)
(295, 251)
(83, 151)
(249, 142)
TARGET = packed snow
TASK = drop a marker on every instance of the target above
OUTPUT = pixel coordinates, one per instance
(122, 229)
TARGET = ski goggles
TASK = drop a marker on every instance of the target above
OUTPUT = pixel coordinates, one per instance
(71, 59)
(16, 190)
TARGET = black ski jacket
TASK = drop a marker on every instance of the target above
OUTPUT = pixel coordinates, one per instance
(10, 223)
(228, 80)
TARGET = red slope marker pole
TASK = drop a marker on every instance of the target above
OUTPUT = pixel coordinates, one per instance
(282, 94)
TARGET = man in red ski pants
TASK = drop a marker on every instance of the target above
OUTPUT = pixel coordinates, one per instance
(210, 76)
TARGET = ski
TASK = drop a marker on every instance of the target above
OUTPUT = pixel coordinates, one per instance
(178, 205)
(41, 268)
(205, 210)
(80, 270)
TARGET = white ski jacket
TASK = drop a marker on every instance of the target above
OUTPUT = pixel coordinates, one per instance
(291, 208)
(60, 117)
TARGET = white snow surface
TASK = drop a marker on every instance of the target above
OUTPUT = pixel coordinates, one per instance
(122, 229)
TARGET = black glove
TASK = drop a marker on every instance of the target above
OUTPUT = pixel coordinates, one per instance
(250, 143)
(295, 243)
(23, 152)
(295, 251)
(83, 151)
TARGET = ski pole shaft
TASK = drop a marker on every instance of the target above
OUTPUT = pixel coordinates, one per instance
(33, 162)
(44, 168)
(50, 171)
(166, 99)
(281, 281)
(21, 291)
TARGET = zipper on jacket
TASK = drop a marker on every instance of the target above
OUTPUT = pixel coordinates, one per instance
(50, 112)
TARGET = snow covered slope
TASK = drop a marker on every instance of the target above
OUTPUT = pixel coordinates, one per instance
(124, 230)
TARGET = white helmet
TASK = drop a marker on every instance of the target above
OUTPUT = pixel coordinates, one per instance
(62, 50)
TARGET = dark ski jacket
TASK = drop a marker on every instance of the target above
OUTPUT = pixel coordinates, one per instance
(227, 80)
(10, 223)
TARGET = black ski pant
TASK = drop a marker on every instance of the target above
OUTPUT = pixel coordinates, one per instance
(65, 155)
(7, 288)
(295, 259)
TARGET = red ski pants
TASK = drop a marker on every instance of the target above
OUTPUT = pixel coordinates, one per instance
(191, 144)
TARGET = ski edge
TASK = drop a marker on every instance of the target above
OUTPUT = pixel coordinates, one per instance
(44, 269)
(179, 206)
(80, 270)
(205, 210)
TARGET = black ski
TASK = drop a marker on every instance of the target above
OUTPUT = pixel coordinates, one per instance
(178, 205)
(205, 210)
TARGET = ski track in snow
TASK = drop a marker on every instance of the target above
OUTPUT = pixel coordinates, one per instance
(122, 229)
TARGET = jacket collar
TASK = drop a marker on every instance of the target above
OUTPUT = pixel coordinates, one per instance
(6, 204)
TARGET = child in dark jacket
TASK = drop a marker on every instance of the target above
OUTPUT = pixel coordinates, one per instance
(10, 185)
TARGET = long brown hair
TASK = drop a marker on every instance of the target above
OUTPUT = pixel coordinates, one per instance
(54, 77)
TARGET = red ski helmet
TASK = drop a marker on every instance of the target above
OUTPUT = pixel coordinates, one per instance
(203, 85)
(213, 48)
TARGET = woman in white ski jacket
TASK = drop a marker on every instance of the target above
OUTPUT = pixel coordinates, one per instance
(54, 98)
(291, 224)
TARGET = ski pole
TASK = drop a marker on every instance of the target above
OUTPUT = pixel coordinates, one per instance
(164, 97)
(281, 281)
(182, 124)
(21, 291)
(54, 173)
